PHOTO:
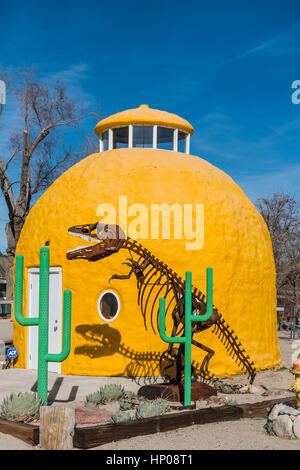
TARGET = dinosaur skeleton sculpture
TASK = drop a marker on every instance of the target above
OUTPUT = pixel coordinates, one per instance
(156, 279)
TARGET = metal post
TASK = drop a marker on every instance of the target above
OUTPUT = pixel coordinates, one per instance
(43, 325)
(189, 318)
(188, 341)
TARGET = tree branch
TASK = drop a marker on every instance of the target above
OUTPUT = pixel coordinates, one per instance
(6, 188)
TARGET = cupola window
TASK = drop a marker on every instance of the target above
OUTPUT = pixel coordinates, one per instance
(143, 136)
(120, 137)
(104, 141)
(183, 138)
(165, 138)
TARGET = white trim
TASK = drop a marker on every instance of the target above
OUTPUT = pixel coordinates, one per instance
(130, 136)
(52, 269)
(108, 291)
(110, 139)
(155, 136)
(101, 146)
(175, 140)
(187, 143)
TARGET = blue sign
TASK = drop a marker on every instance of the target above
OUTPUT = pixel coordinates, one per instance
(12, 353)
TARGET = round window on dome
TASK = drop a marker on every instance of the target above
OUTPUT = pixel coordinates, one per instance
(108, 306)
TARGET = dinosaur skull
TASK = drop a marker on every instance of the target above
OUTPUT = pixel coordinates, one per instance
(108, 237)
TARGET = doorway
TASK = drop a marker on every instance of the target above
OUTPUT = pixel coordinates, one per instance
(55, 317)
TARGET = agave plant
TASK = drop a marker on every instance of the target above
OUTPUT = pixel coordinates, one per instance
(128, 395)
(126, 404)
(22, 407)
(120, 417)
(94, 399)
(112, 392)
(151, 408)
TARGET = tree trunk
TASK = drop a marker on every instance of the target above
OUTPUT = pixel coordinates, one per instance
(6, 266)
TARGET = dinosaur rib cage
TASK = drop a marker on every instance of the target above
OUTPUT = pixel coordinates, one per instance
(158, 280)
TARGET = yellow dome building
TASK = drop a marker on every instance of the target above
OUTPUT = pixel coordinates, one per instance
(186, 212)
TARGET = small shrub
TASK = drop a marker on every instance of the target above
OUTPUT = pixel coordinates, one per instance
(94, 399)
(151, 408)
(22, 407)
(112, 392)
(126, 404)
(120, 417)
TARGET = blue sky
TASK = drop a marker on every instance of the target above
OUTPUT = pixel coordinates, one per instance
(225, 66)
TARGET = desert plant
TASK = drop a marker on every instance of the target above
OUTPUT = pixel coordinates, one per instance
(94, 399)
(126, 404)
(112, 392)
(22, 407)
(120, 417)
(230, 403)
(90, 404)
(223, 388)
(151, 408)
(162, 404)
(128, 395)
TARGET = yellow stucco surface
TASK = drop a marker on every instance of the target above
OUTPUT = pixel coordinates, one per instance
(144, 115)
(236, 244)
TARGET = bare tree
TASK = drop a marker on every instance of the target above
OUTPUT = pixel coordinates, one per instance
(37, 152)
(281, 214)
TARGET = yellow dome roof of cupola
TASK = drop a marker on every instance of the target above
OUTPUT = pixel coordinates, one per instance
(144, 115)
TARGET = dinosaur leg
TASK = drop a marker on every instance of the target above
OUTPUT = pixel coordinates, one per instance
(207, 358)
(176, 377)
(171, 361)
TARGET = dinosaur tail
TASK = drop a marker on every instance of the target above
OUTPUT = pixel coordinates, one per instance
(234, 347)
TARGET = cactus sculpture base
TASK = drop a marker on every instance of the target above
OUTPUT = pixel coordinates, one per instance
(175, 393)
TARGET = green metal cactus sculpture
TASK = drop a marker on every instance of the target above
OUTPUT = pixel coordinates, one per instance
(42, 320)
(189, 319)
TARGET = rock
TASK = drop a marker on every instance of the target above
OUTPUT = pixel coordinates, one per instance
(283, 427)
(282, 409)
(273, 391)
(296, 427)
(269, 427)
(85, 415)
(215, 400)
(251, 389)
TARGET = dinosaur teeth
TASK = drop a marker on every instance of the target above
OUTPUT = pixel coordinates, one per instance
(80, 248)
(81, 235)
